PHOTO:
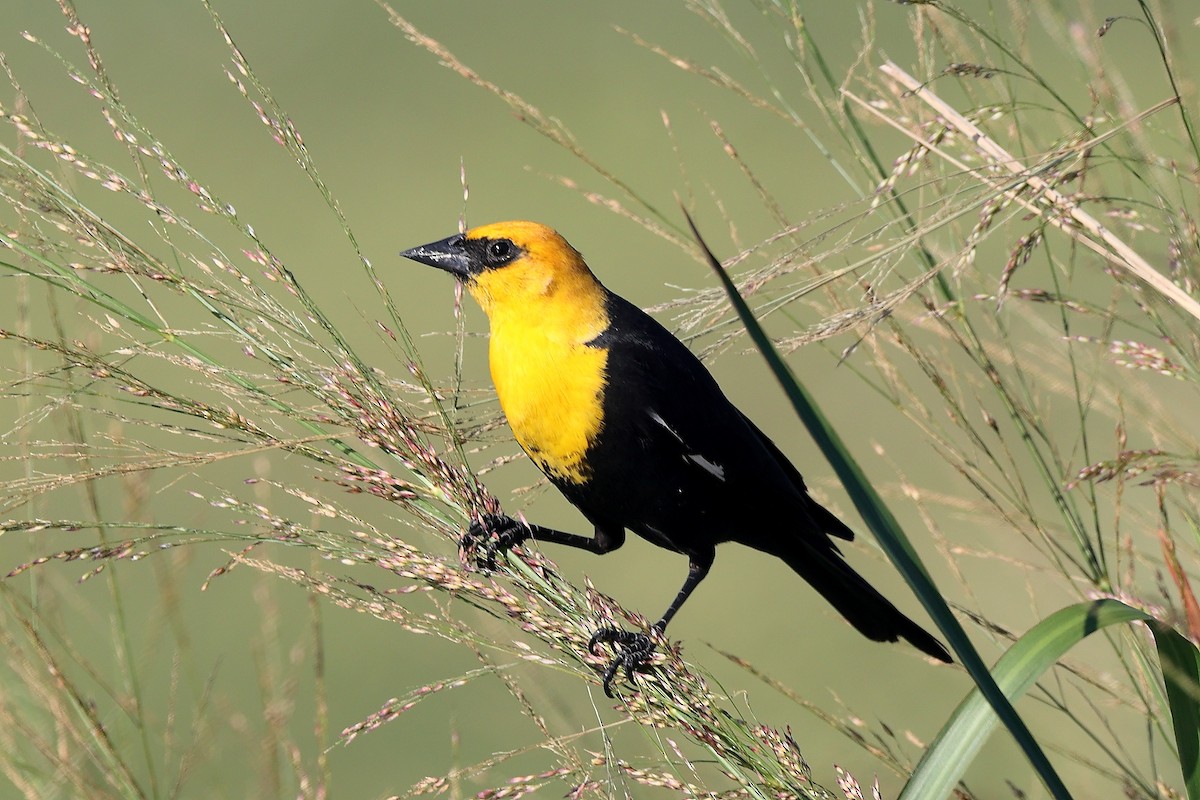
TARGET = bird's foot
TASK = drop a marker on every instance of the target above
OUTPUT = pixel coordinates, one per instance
(490, 535)
(633, 653)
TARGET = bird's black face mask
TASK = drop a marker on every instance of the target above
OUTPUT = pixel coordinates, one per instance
(463, 257)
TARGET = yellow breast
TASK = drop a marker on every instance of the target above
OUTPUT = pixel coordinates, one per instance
(544, 308)
(552, 392)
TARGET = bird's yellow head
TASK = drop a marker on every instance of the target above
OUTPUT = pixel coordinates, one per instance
(511, 266)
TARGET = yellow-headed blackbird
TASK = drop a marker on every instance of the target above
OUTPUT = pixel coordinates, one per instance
(634, 431)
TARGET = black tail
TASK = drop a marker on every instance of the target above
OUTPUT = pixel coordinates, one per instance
(862, 606)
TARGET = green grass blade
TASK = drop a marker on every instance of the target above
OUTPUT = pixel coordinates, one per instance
(944, 763)
(1180, 661)
(1036, 652)
(887, 530)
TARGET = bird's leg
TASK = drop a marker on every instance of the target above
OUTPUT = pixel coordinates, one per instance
(497, 533)
(635, 648)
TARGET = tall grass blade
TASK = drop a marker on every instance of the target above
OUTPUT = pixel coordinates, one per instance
(1180, 662)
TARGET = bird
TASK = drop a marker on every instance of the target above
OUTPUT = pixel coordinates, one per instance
(630, 426)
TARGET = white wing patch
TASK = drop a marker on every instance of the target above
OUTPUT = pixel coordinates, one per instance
(716, 470)
(658, 419)
(711, 467)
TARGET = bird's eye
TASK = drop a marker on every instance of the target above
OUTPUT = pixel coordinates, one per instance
(500, 249)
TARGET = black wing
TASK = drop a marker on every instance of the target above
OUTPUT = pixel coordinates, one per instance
(825, 519)
(677, 462)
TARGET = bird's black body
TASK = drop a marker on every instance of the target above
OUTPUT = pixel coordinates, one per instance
(675, 461)
(678, 464)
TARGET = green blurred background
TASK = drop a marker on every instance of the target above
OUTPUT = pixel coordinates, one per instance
(388, 128)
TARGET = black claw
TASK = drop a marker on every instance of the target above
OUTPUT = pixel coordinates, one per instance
(633, 653)
(490, 535)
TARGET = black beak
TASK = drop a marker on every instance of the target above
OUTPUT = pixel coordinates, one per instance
(449, 254)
